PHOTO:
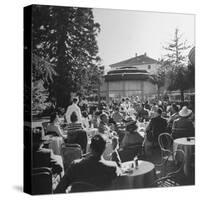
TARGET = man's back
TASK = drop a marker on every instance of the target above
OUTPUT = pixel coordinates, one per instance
(182, 127)
(91, 170)
(157, 126)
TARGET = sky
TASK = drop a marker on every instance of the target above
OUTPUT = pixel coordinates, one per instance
(125, 33)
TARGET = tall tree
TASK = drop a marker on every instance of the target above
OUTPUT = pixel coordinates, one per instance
(176, 64)
(176, 49)
(65, 37)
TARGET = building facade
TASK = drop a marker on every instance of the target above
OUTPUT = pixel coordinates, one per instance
(130, 78)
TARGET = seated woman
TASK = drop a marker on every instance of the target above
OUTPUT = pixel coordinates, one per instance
(132, 137)
(103, 125)
(117, 116)
(85, 120)
(54, 126)
(95, 119)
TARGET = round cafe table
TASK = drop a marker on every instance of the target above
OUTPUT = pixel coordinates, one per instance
(142, 177)
(188, 147)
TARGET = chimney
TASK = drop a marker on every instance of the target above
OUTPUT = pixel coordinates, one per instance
(145, 54)
(135, 54)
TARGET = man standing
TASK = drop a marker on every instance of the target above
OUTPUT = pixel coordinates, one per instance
(73, 108)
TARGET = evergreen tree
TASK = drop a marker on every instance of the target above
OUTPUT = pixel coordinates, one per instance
(66, 38)
(176, 64)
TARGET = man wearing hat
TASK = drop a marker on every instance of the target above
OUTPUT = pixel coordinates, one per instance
(43, 157)
(132, 137)
(183, 127)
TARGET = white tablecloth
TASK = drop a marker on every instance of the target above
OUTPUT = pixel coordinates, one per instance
(188, 148)
(142, 177)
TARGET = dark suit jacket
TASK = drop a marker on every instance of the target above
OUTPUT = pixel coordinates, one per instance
(157, 126)
(45, 158)
(91, 170)
(182, 127)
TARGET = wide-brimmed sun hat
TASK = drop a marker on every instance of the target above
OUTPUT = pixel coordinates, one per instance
(185, 112)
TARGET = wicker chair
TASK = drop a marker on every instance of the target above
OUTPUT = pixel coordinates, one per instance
(69, 153)
(165, 141)
(174, 177)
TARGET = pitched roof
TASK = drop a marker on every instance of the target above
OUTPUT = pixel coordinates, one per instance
(138, 60)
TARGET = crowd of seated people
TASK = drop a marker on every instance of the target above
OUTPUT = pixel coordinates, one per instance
(109, 121)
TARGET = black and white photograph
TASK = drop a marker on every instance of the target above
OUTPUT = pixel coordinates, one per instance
(109, 99)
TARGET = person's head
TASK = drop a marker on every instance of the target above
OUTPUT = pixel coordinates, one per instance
(127, 100)
(75, 100)
(131, 127)
(174, 108)
(85, 114)
(159, 111)
(123, 100)
(104, 117)
(98, 145)
(74, 117)
(116, 109)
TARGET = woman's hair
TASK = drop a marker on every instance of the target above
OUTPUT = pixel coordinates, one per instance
(75, 100)
(74, 117)
(85, 114)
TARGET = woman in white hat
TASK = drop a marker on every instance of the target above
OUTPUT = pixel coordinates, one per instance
(183, 127)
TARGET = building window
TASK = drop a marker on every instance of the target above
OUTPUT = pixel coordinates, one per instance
(149, 66)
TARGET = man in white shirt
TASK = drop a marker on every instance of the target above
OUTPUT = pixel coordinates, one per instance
(73, 108)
